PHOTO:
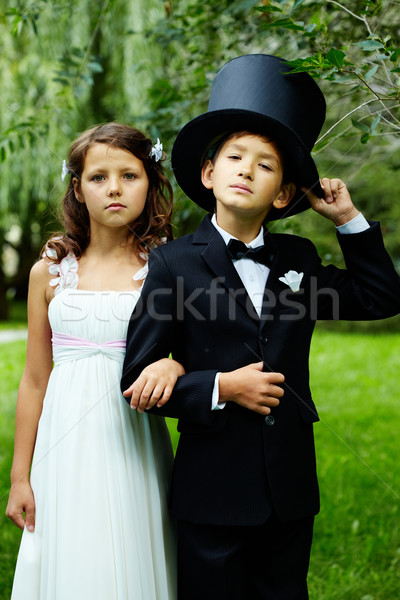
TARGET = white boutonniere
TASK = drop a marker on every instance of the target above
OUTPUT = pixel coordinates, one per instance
(292, 279)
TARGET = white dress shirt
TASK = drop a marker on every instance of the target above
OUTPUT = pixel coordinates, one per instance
(254, 275)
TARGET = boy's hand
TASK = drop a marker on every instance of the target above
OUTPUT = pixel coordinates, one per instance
(251, 388)
(337, 204)
(155, 384)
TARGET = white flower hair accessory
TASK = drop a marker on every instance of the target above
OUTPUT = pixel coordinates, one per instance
(156, 151)
(292, 279)
(64, 170)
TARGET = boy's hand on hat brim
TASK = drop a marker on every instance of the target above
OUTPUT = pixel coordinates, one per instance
(337, 204)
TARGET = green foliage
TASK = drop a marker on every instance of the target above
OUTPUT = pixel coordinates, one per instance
(348, 49)
(323, 38)
(196, 40)
(352, 49)
(69, 64)
(65, 66)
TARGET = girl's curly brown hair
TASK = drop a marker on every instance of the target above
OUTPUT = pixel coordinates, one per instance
(149, 228)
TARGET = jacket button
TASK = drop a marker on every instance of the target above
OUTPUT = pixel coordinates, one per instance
(263, 339)
(269, 420)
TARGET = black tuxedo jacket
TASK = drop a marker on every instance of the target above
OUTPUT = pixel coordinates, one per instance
(233, 465)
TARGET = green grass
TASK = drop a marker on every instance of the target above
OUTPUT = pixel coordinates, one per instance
(356, 549)
(12, 357)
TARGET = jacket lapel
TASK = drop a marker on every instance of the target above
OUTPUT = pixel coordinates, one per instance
(219, 263)
(273, 286)
(277, 295)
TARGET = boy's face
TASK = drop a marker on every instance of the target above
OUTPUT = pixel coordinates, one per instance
(246, 178)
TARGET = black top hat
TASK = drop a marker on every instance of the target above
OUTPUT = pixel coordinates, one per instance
(256, 93)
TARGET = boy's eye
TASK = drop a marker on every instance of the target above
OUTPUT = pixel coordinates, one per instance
(234, 156)
(98, 178)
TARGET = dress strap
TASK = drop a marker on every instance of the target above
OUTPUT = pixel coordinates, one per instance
(142, 273)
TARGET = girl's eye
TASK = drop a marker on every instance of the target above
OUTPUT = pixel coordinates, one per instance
(234, 156)
(98, 178)
(130, 176)
(266, 167)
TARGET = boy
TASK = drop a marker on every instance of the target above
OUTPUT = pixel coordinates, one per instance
(240, 319)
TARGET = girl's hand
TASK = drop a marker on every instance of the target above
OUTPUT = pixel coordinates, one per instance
(337, 204)
(20, 501)
(155, 384)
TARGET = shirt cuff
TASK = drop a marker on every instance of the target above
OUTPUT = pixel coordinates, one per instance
(356, 225)
(215, 395)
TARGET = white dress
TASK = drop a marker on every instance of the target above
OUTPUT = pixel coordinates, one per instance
(100, 471)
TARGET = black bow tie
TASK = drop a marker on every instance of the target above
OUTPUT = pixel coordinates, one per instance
(261, 254)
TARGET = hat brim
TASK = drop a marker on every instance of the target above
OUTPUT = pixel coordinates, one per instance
(187, 156)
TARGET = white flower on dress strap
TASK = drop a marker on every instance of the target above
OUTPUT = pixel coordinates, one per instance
(67, 271)
(292, 279)
(141, 274)
(156, 151)
(64, 171)
(49, 253)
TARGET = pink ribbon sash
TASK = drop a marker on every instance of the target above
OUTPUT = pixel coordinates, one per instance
(62, 339)
(68, 347)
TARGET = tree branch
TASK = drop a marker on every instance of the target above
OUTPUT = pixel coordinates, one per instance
(376, 96)
(364, 20)
(333, 138)
(350, 12)
(345, 117)
(390, 122)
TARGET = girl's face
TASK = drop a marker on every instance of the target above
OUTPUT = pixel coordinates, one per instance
(113, 186)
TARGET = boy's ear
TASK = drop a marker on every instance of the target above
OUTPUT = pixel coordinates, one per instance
(77, 190)
(207, 173)
(287, 192)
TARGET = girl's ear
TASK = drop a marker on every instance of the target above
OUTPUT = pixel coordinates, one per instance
(287, 192)
(77, 190)
(207, 174)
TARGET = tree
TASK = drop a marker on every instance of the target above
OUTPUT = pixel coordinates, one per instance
(352, 52)
(66, 66)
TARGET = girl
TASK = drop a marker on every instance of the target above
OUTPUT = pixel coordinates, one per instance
(94, 511)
